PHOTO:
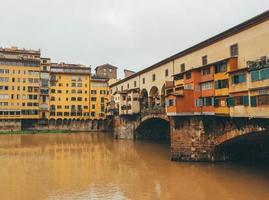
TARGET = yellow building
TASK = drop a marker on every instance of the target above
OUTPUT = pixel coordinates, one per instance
(19, 83)
(99, 96)
(44, 91)
(69, 91)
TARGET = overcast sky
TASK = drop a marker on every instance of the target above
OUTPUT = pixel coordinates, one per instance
(131, 34)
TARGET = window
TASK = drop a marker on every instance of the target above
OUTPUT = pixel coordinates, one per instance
(241, 100)
(206, 86)
(188, 87)
(188, 75)
(79, 99)
(93, 98)
(143, 81)
(134, 83)
(102, 99)
(238, 78)
(204, 60)
(199, 102)
(93, 106)
(206, 71)
(264, 73)
(234, 50)
(153, 77)
(93, 92)
(261, 74)
(171, 102)
(73, 98)
(222, 84)
(166, 72)
(121, 88)
(128, 85)
(182, 67)
(255, 76)
(263, 100)
(220, 67)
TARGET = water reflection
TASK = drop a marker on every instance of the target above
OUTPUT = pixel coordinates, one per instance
(94, 166)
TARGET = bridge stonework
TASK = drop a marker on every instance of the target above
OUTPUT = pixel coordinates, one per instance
(196, 138)
(201, 138)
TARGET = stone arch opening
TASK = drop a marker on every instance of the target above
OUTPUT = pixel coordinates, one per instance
(144, 99)
(154, 98)
(251, 146)
(153, 129)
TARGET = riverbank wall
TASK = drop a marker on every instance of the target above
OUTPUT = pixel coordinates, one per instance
(64, 125)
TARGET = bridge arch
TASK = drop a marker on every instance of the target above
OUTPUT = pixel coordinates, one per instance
(153, 127)
(248, 143)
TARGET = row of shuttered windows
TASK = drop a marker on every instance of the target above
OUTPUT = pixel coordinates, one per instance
(260, 75)
(230, 101)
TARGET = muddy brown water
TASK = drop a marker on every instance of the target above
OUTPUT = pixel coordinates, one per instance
(94, 166)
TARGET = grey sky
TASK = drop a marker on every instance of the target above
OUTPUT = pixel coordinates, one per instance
(131, 34)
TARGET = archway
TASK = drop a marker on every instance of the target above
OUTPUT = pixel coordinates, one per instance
(144, 99)
(154, 97)
(251, 146)
(153, 129)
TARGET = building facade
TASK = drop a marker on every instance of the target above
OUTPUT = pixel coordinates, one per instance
(215, 77)
(19, 85)
(35, 93)
(106, 71)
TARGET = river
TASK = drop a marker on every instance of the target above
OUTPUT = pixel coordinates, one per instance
(94, 166)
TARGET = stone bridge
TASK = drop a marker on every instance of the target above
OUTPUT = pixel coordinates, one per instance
(199, 138)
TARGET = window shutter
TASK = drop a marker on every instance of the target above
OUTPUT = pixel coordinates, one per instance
(253, 101)
(245, 100)
(216, 102)
(230, 102)
(255, 76)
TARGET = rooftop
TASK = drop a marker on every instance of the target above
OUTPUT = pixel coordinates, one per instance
(234, 30)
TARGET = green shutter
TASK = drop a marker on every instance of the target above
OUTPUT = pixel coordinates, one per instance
(216, 102)
(245, 100)
(264, 74)
(253, 101)
(230, 101)
(255, 76)
(242, 78)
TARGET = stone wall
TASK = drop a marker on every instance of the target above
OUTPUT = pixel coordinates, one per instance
(198, 138)
(10, 125)
(189, 141)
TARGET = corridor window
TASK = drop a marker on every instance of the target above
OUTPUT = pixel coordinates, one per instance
(234, 50)
(153, 77)
(182, 67)
(166, 72)
(204, 60)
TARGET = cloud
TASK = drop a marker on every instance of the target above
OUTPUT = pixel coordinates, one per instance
(125, 33)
